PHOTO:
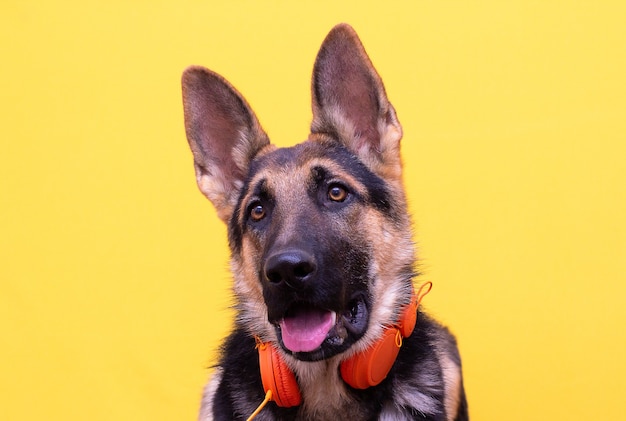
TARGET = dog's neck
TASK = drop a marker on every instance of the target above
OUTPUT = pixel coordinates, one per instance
(321, 386)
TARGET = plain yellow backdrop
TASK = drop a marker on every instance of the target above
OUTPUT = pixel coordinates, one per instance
(114, 290)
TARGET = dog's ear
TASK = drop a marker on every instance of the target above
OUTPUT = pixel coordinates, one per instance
(224, 136)
(350, 103)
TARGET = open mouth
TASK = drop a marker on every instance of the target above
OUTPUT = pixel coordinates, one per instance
(305, 329)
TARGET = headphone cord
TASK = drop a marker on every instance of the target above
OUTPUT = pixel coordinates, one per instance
(268, 397)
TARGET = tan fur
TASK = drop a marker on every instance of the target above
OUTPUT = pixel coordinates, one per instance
(383, 160)
(452, 376)
(208, 396)
(452, 382)
(392, 248)
(217, 191)
(324, 393)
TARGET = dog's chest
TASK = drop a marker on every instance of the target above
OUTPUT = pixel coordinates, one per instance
(325, 395)
(329, 408)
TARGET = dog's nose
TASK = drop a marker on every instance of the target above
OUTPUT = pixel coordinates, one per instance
(291, 267)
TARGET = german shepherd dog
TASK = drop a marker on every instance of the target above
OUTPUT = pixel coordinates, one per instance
(327, 321)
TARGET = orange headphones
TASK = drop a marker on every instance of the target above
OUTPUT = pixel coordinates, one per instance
(363, 370)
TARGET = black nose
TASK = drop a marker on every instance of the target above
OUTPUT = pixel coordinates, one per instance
(292, 267)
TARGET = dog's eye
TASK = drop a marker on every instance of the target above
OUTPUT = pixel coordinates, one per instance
(257, 212)
(337, 193)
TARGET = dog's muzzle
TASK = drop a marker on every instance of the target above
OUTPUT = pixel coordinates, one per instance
(313, 316)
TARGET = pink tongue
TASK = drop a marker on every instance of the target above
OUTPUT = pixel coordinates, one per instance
(305, 329)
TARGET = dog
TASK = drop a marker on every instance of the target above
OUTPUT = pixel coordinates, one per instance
(327, 320)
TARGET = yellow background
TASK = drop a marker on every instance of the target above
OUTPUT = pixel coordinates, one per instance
(113, 282)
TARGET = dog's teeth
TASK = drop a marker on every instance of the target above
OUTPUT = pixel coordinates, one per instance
(333, 317)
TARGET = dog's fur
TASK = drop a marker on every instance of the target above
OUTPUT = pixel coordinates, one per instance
(322, 225)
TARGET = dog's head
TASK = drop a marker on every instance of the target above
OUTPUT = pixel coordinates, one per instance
(321, 245)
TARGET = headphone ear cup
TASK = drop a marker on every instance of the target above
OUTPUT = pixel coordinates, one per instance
(277, 377)
(370, 367)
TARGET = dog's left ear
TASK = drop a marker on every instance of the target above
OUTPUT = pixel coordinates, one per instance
(350, 103)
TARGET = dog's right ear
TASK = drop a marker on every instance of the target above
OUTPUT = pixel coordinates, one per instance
(224, 136)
